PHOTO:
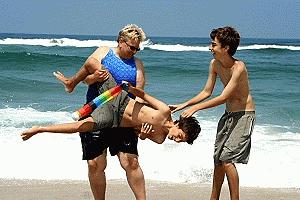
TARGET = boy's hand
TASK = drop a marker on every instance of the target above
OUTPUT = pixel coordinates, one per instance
(146, 130)
(100, 75)
(133, 90)
(188, 112)
(175, 108)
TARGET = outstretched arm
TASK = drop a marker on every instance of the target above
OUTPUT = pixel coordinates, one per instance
(155, 103)
(222, 98)
(204, 94)
(85, 125)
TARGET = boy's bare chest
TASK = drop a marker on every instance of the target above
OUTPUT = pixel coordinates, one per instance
(224, 75)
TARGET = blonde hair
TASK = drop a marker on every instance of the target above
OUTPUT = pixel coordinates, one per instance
(132, 31)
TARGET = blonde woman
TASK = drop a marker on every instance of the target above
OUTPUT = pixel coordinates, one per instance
(122, 64)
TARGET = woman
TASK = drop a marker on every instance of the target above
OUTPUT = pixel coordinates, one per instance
(122, 64)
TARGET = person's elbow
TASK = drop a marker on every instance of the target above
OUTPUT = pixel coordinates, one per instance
(160, 141)
(207, 93)
(223, 98)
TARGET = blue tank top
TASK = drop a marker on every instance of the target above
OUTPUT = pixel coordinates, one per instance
(120, 69)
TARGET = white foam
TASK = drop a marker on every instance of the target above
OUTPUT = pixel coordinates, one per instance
(272, 46)
(274, 159)
(146, 44)
(63, 42)
(23, 117)
(177, 47)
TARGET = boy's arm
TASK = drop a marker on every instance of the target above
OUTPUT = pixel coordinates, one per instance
(208, 88)
(222, 98)
(155, 103)
(204, 94)
(85, 125)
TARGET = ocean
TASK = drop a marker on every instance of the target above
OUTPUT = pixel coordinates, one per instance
(176, 70)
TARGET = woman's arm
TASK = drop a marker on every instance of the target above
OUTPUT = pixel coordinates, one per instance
(140, 76)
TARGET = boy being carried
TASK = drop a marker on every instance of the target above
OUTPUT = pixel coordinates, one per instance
(123, 111)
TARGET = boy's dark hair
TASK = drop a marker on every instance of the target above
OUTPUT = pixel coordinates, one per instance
(190, 126)
(227, 36)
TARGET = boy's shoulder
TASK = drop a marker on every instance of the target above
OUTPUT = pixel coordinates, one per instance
(239, 65)
(215, 63)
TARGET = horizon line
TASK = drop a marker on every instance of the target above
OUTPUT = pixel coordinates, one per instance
(146, 38)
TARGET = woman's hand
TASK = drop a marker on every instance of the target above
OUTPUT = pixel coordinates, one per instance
(146, 131)
(100, 75)
(97, 76)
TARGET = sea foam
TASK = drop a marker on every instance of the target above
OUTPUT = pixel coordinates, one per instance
(273, 159)
(146, 44)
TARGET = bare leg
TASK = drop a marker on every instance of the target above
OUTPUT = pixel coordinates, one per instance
(97, 176)
(218, 179)
(89, 67)
(233, 180)
(134, 174)
(69, 85)
(85, 125)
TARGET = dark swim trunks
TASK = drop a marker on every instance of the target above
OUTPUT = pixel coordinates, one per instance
(116, 139)
(119, 139)
(233, 140)
(106, 131)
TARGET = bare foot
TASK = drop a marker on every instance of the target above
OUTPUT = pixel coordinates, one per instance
(29, 133)
(69, 87)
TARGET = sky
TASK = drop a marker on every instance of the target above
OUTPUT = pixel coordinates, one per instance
(167, 18)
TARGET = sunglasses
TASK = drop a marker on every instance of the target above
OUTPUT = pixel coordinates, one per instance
(132, 48)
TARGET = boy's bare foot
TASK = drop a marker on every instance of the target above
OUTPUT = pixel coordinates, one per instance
(29, 133)
(67, 82)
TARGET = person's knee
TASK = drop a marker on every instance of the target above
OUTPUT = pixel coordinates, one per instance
(96, 165)
(227, 165)
(129, 162)
(92, 64)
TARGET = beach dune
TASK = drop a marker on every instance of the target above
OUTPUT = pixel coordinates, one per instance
(119, 190)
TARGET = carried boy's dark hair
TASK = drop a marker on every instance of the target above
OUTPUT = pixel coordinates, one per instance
(190, 126)
(227, 36)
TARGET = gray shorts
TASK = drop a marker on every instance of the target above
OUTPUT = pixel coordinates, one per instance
(233, 140)
(110, 114)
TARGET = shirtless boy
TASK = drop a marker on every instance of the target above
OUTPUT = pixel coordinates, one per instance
(233, 140)
(123, 111)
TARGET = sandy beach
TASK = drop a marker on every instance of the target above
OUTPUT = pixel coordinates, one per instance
(119, 190)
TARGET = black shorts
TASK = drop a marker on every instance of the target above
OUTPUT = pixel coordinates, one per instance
(117, 139)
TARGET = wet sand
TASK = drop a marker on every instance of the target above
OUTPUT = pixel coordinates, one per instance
(119, 190)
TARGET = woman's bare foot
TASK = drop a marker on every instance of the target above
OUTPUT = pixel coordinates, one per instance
(29, 133)
(69, 86)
